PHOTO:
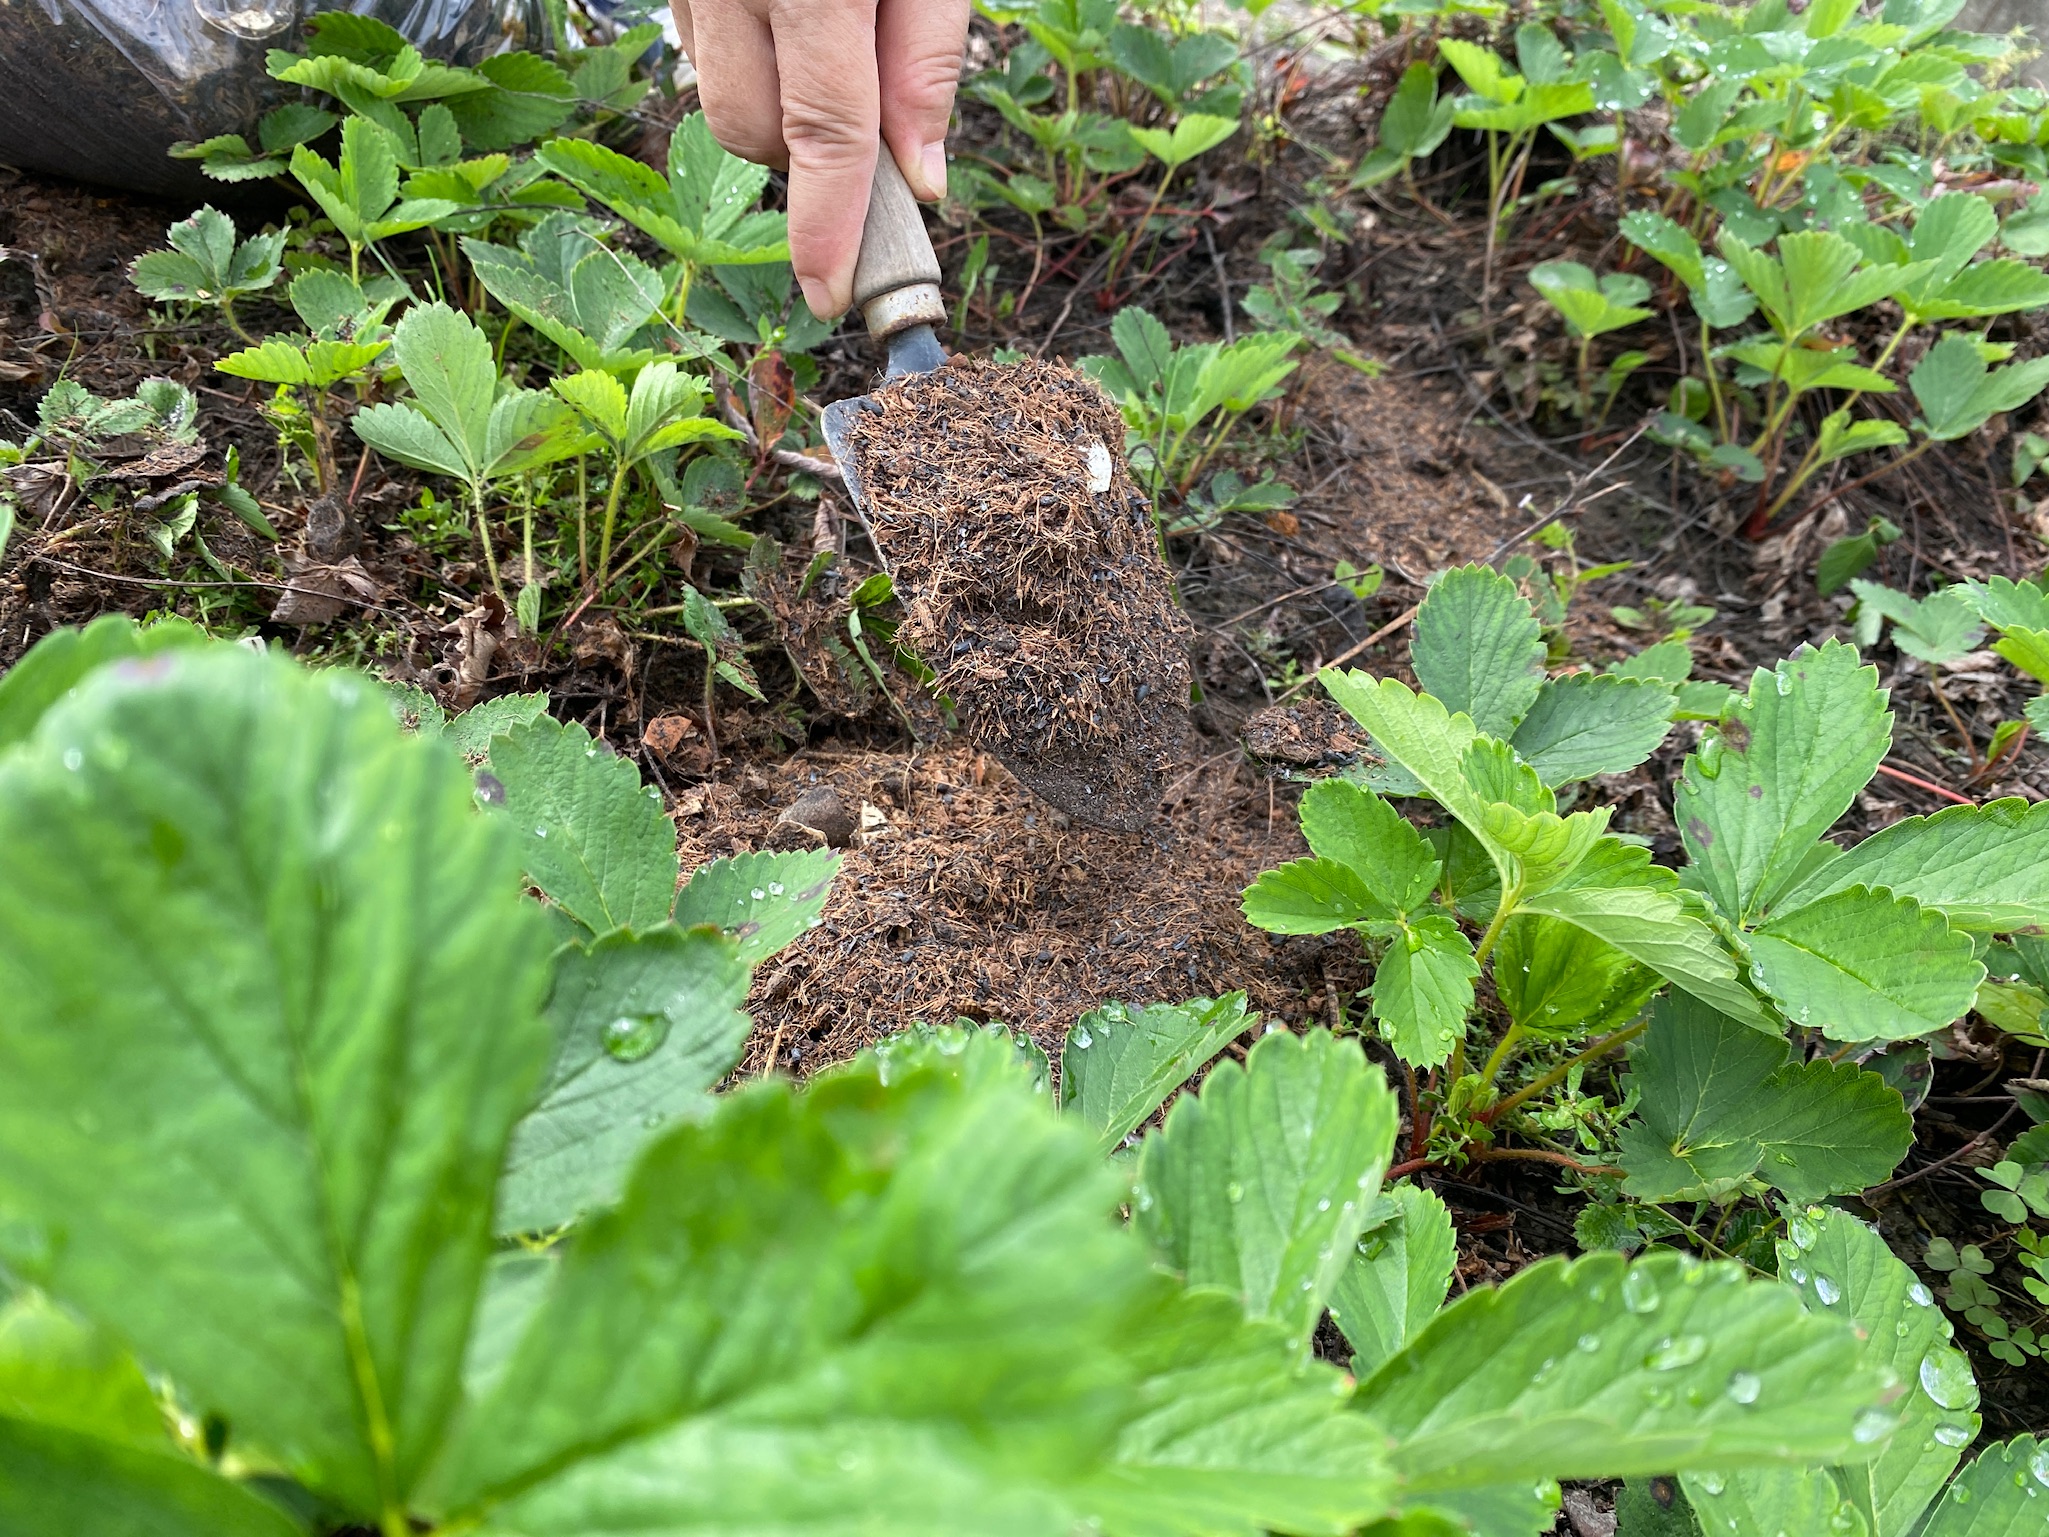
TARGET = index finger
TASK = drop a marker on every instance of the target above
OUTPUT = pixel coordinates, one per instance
(831, 107)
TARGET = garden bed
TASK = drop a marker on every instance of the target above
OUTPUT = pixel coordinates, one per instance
(1430, 429)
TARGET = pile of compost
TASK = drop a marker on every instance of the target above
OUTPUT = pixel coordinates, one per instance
(1031, 577)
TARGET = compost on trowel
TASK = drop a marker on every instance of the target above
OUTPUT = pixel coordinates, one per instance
(1031, 577)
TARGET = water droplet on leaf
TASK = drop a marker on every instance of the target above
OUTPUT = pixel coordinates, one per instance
(1671, 1354)
(1744, 1387)
(1640, 1291)
(632, 1037)
(1946, 1378)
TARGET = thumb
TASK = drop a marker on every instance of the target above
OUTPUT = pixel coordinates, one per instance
(918, 47)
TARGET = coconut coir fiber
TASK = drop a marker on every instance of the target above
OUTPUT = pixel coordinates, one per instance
(1031, 577)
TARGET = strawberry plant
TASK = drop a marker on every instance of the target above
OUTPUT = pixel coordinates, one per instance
(458, 422)
(292, 1048)
(1771, 929)
(1180, 403)
(206, 264)
(663, 411)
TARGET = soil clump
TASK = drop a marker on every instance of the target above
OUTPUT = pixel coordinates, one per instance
(1031, 577)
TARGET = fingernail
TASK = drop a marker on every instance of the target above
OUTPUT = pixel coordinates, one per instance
(819, 297)
(933, 162)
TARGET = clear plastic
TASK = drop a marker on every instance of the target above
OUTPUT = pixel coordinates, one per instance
(101, 89)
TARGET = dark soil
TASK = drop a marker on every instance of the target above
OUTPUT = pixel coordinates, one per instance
(1031, 577)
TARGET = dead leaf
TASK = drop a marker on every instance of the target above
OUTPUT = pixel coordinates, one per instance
(603, 642)
(163, 462)
(771, 398)
(317, 592)
(479, 635)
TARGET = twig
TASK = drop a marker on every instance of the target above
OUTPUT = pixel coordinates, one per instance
(1351, 651)
(788, 458)
(1922, 784)
(136, 581)
(1067, 306)
(1949, 1158)
(1538, 1155)
(1223, 283)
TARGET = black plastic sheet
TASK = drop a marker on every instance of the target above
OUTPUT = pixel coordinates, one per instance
(100, 90)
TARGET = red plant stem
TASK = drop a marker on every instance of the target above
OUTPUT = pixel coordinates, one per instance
(1919, 783)
(1538, 1155)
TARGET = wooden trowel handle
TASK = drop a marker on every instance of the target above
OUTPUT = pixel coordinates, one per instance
(896, 280)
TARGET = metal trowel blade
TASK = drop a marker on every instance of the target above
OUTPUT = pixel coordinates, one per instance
(914, 350)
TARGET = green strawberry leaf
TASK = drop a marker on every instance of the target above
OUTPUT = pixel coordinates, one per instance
(1983, 867)
(764, 901)
(1235, 1435)
(1119, 1062)
(1396, 1280)
(1312, 896)
(645, 1025)
(1778, 771)
(1864, 965)
(1997, 1494)
(1596, 1368)
(1773, 1500)
(1842, 1268)
(303, 1166)
(57, 1481)
(1590, 305)
(1261, 1183)
(1348, 823)
(2006, 604)
(1721, 1102)
(594, 838)
(1958, 394)
(1590, 723)
(1617, 895)
(1478, 649)
(1423, 988)
(66, 657)
(205, 263)
(1558, 980)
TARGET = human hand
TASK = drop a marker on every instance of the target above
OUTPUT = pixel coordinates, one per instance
(806, 85)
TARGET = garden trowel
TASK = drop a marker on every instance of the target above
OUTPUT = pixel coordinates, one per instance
(896, 289)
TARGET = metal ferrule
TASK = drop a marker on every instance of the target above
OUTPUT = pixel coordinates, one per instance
(919, 304)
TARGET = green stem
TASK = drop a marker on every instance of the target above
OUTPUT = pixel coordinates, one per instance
(583, 558)
(234, 324)
(1558, 1074)
(1499, 1056)
(611, 517)
(1502, 913)
(484, 537)
(1714, 382)
(1585, 398)
(1137, 233)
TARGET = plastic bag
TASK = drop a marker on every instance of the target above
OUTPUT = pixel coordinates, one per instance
(100, 90)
